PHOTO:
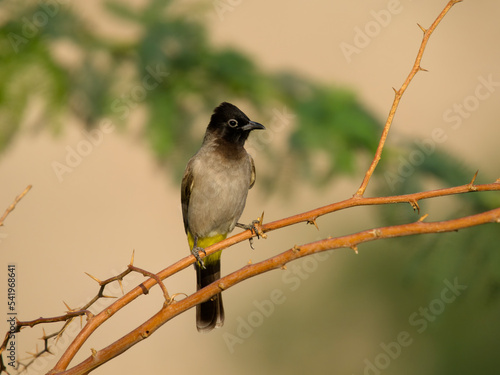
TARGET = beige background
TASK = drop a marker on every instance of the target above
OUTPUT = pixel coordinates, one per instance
(118, 199)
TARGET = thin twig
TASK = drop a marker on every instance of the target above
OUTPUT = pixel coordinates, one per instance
(155, 277)
(13, 205)
(399, 93)
(61, 318)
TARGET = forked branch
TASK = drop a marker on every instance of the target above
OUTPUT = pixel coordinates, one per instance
(277, 262)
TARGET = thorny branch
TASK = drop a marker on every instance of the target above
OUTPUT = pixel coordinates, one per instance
(351, 241)
(277, 262)
(71, 313)
(399, 93)
(172, 308)
(13, 205)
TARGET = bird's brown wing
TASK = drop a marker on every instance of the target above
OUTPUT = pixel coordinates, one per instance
(253, 175)
(186, 188)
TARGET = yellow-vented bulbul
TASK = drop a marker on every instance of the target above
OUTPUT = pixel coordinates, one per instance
(213, 194)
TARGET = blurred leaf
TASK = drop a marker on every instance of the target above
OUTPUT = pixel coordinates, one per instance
(173, 71)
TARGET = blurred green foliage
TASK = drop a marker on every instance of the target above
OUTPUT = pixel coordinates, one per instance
(173, 71)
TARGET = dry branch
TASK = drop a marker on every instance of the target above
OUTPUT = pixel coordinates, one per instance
(277, 262)
(69, 315)
(13, 205)
(399, 93)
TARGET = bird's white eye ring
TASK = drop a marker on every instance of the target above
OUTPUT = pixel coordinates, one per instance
(232, 123)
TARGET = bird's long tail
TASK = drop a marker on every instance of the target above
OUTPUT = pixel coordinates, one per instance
(209, 314)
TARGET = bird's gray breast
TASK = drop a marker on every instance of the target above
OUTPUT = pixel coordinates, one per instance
(219, 192)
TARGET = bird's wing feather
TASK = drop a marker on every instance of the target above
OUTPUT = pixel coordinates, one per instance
(186, 188)
(253, 174)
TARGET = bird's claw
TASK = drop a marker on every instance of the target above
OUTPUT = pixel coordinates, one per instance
(196, 253)
(254, 226)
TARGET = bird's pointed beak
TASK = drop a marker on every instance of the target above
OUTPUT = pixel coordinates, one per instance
(252, 125)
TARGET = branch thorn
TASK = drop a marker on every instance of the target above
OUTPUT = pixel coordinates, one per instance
(261, 221)
(121, 286)
(132, 259)
(355, 248)
(69, 308)
(44, 337)
(421, 28)
(93, 277)
(313, 222)
(423, 218)
(471, 186)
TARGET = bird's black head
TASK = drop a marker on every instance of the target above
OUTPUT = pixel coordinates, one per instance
(229, 123)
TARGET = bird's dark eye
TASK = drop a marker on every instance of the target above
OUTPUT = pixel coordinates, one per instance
(233, 123)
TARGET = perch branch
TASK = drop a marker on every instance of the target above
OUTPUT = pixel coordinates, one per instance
(308, 216)
(277, 262)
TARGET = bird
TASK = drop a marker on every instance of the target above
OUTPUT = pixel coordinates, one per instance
(213, 195)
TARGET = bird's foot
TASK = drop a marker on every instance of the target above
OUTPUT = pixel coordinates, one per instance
(256, 227)
(196, 253)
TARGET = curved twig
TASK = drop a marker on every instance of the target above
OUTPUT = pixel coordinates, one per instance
(399, 93)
